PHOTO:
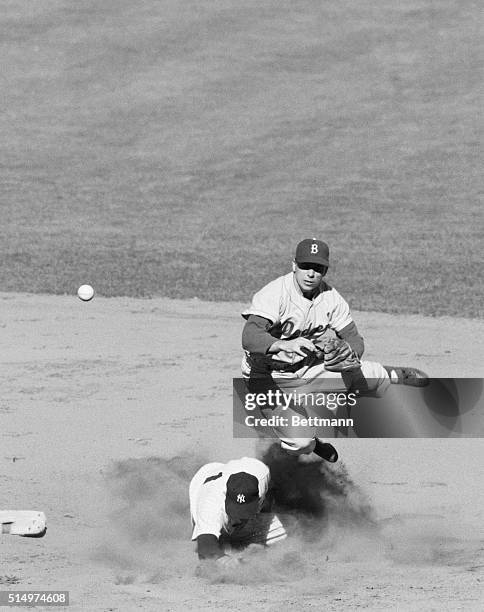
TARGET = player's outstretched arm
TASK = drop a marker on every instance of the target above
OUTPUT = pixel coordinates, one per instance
(256, 338)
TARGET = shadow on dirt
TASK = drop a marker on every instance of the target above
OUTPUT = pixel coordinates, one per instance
(316, 493)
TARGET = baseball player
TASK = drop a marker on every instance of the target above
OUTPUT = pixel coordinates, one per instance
(299, 327)
(229, 509)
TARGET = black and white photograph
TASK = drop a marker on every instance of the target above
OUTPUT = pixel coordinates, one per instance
(241, 305)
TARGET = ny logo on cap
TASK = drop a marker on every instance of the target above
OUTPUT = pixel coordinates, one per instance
(241, 498)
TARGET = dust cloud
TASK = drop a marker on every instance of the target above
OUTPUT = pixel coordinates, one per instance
(329, 519)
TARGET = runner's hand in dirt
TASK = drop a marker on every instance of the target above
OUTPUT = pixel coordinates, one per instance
(228, 562)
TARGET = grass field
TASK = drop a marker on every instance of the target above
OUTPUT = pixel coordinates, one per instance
(182, 148)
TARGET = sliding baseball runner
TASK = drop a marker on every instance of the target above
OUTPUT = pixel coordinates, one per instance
(230, 509)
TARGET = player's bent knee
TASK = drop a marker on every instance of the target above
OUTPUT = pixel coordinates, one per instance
(298, 446)
(377, 376)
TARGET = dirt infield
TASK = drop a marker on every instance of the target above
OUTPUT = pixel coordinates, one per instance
(108, 407)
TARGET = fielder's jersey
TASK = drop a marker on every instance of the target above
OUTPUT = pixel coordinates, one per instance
(292, 315)
(208, 490)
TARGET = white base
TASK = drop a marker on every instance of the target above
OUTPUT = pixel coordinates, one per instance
(23, 523)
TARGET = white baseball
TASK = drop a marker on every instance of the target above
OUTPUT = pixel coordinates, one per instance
(85, 293)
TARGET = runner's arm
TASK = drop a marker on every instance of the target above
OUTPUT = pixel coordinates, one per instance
(208, 546)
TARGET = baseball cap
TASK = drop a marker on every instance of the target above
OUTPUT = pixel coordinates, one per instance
(314, 251)
(242, 498)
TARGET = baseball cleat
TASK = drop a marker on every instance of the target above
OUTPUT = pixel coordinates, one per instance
(407, 376)
(326, 451)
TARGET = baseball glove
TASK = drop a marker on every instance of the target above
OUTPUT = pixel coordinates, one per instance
(337, 354)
